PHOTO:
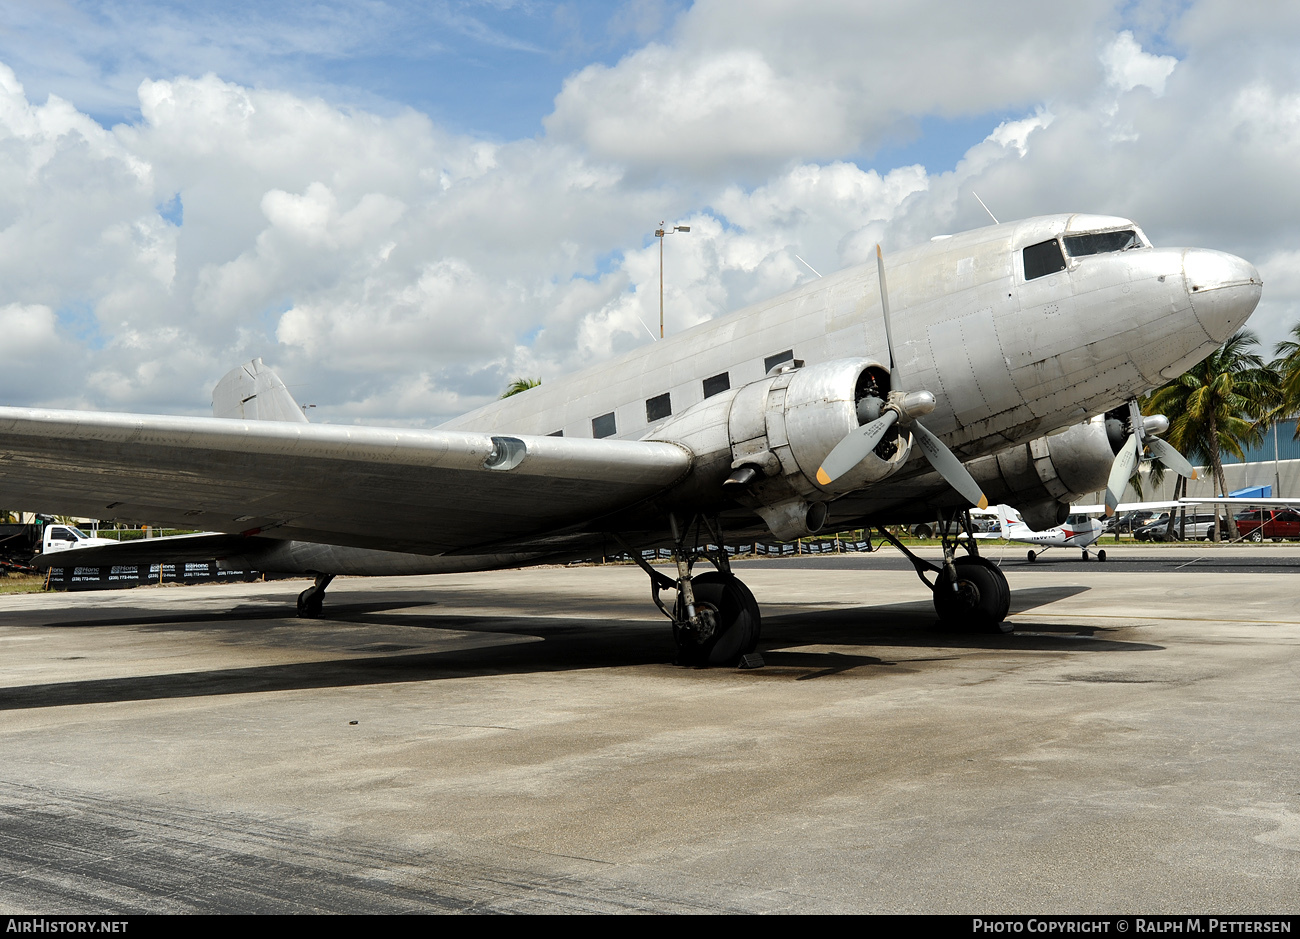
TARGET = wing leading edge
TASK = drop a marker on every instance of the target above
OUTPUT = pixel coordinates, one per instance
(393, 489)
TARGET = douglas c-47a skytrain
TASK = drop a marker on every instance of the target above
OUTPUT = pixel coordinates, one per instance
(999, 364)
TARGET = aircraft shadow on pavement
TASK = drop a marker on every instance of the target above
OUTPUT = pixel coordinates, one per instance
(915, 625)
(566, 643)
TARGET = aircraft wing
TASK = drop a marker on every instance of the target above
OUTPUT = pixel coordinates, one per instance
(416, 491)
(1124, 507)
(1238, 500)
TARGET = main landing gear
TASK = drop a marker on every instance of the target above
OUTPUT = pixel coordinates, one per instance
(715, 617)
(311, 600)
(970, 592)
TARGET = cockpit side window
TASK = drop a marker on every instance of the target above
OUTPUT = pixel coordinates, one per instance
(1043, 259)
(1101, 242)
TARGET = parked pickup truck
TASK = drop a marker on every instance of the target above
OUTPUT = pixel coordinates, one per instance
(20, 543)
(64, 537)
(1257, 524)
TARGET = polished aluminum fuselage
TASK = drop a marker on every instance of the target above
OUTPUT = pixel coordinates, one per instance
(1008, 359)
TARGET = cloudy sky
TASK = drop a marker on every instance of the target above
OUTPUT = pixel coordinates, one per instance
(402, 206)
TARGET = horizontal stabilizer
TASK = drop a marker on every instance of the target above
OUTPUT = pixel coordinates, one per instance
(204, 546)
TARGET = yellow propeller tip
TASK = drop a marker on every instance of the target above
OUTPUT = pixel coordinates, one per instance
(1110, 513)
(984, 502)
(822, 478)
(1195, 475)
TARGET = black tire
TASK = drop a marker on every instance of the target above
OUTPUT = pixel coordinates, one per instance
(1032, 556)
(981, 601)
(1257, 535)
(1085, 555)
(736, 626)
(755, 617)
(1101, 555)
(310, 603)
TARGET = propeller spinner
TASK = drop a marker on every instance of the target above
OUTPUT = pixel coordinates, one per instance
(904, 409)
(1126, 460)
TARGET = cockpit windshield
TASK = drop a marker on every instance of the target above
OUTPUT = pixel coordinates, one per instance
(1078, 246)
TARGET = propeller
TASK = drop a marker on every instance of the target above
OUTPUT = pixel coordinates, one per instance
(1121, 471)
(903, 409)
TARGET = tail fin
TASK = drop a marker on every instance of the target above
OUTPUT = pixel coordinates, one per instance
(1003, 527)
(253, 392)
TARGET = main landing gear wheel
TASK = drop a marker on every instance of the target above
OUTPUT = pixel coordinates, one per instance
(1033, 556)
(1085, 554)
(729, 618)
(980, 602)
(1101, 554)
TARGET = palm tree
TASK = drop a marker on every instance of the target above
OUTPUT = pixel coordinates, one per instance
(1288, 368)
(1217, 406)
(521, 384)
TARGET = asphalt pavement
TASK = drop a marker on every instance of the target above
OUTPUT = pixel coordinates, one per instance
(521, 741)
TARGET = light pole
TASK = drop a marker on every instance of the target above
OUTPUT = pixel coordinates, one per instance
(660, 233)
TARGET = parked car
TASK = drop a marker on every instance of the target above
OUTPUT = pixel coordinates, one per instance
(1126, 523)
(1194, 528)
(1153, 529)
(954, 527)
(1258, 524)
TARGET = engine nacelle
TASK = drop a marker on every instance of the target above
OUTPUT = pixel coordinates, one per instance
(772, 435)
(784, 426)
(1041, 478)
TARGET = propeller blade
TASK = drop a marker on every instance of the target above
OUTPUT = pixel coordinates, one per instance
(1170, 457)
(947, 465)
(895, 380)
(853, 449)
(1120, 473)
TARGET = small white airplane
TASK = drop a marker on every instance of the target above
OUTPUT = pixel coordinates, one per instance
(815, 410)
(1079, 530)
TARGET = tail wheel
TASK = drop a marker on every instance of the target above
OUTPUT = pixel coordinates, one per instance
(730, 622)
(310, 603)
(980, 602)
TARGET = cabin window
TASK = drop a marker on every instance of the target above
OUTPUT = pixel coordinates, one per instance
(716, 385)
(1101, 242)
(1043, 259)
(603, 426)
(658, 407)
(772, 361)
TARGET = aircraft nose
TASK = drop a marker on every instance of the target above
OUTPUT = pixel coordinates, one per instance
(1224, 290)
